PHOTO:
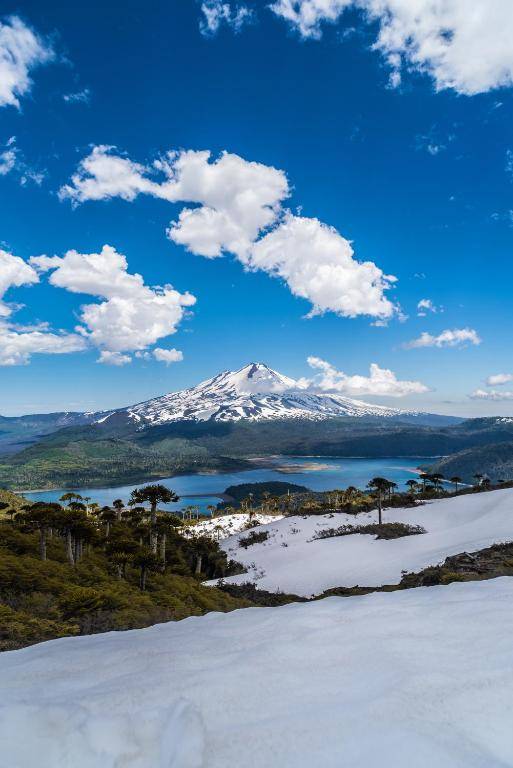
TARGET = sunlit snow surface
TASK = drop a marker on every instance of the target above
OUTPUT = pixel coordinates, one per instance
(222, 526)
(256, 393)
(414, 679)
(291, 561)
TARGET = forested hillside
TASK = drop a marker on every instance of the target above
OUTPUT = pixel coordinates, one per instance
(119, 452)
(77, 569)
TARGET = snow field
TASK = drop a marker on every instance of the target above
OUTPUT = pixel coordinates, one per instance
(291, 561)
(418, 678)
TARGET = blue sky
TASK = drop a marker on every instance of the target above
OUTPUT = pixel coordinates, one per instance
(414, 174)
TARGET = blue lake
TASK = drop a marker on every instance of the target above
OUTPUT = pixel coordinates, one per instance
(316, 473)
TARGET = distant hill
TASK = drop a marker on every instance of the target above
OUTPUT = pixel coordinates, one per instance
(494, 461)
(111, 453)
(14, 501)
(258, 490)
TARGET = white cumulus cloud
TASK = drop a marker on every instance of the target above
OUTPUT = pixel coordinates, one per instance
(449, 338)
(113, 358)
(14, 272)
(493, 395)
(498, 379)
(317, 264)
(238, 198)
(18, 345)
(167, 356)
(21, 50)
(379, 382)
(462, 44)
(132, 315)
(240, 211)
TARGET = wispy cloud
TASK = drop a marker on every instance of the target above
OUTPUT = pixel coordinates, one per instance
(457, 337)
(78, 97)
(216, 13)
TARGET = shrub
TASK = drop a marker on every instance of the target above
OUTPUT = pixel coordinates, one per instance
(255, 537)
(383, 531)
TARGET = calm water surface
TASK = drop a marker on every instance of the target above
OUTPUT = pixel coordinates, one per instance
(318, 474)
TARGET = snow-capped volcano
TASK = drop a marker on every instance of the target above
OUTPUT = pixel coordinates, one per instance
(255, 392)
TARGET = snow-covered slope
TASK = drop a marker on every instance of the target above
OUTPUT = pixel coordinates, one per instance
(222, 526)
(292, 561)
(255, 392)
(419, 678)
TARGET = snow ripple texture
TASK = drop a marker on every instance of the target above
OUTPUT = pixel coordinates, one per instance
(418, 678)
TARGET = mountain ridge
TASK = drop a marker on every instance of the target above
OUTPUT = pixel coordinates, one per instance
(255, 392)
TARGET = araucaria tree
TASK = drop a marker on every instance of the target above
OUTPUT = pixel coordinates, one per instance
(380, 486)
(42, 517)
(456, 481)
(153, 495)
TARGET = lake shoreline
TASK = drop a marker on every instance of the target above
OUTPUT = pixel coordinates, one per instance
(204, 489)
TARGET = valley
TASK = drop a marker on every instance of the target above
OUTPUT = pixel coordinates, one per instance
(227, 422)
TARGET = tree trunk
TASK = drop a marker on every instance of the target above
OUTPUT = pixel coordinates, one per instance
(379, 508)
(163, 540)
(42, 543)
(107, 530)
(119, 569)
(142, 579)
(199, 561)
(153, 533)
(69, 548)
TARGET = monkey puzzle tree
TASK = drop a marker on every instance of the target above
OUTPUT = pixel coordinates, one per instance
(70, 522)
(118, 506)
(166, 524)
(70, 496)
(424, 477)
(412, 485)
(380, 486)
(147, 561)
(120, 552)
(154, 495)
(456, 481)
(107, 516)
(42, 516)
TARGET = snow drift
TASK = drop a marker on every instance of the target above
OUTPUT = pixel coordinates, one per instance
(419, 678)
(305, 566)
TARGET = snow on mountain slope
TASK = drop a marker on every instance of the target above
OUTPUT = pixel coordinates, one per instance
(255, 392)
(418, 678)
(222, 526)
(306, 567)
